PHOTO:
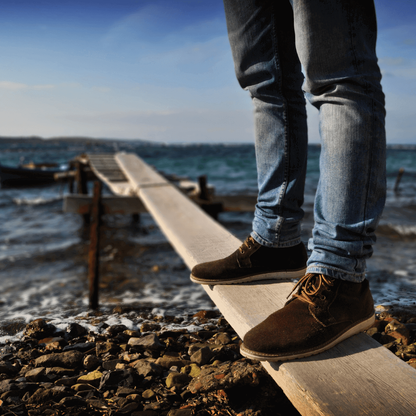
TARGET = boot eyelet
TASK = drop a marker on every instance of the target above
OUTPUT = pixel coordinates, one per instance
(242, 251)
(322, 297)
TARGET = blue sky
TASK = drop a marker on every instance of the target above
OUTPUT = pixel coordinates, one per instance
(158, 70)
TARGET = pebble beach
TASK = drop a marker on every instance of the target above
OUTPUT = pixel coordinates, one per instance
(157, 345)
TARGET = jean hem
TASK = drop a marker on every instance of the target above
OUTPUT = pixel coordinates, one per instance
(336, 273)
(279, 244)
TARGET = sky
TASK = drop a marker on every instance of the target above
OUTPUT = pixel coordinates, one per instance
(158, 70)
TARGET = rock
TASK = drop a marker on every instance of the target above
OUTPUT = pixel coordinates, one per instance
(73, 401)
(192, 370)
(7, 368)
(177, 380)
(112, 378)
(226, 375)
(132, 333)
(107, 348)
(92, 378)
(113, 330)
(81, 346)
(66, 381)
(82, 387)
(110, 365)
(180, 412)
(7, 385)
(75, 330)
(205, 314)
(97, 404)
(91, 362)
(128, 408)
(43, 396)
(167, 361)
(223, 338)
(69, 359)
(146, 368)
(148, 394)
(125, 391)
(149, 326)
(202, 356)
(148, 342)
(39, 329)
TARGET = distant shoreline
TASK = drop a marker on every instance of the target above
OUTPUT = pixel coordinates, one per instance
(84, 139)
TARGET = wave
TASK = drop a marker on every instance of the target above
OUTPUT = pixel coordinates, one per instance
(36, 201)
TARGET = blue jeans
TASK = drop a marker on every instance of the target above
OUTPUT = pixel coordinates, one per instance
(334, 41)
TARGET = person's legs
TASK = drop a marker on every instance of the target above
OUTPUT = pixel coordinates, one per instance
(262, 39)
(336, 45)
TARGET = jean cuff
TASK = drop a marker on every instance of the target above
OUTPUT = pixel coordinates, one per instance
(336, 273)
(263, 242)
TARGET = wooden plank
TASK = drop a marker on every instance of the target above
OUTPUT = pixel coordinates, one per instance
(357, 377)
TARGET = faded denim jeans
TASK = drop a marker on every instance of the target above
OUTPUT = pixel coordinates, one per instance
(334, 42)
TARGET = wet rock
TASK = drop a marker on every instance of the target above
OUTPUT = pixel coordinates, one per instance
(148, 342)
(69, 359)
(75, 330)
(39, 329)
(81, 346)
(149, 326)
(113, 330)
(223, 338)
(148, 394)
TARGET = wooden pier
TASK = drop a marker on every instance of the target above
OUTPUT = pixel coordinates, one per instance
(357, 377)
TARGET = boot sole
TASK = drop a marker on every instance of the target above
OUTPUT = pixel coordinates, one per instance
(283, 275)
(356, 329)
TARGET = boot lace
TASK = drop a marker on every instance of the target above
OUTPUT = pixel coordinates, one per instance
(249, 240)
(309, 286)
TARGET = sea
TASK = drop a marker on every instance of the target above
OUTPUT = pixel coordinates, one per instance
(44, 250)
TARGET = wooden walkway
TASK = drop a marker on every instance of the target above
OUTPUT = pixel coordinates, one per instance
(357, 377)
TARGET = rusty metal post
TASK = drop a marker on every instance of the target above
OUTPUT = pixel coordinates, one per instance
(398, 179)
(93, 257)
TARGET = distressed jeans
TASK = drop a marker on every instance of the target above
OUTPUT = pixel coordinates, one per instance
(331, 42)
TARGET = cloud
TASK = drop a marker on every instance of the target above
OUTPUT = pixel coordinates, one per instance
(16, 86)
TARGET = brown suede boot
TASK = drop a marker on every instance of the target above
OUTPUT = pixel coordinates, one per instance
(251, 262)
(322, 313)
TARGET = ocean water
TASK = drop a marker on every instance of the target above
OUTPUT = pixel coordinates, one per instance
(43, 250)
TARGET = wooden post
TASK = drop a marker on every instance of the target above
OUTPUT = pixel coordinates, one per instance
(82, 188)
(399, 177)
(93, 257)
(203, 190)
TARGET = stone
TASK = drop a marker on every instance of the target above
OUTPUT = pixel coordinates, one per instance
(35, 374)
(193, 370)
(91, 362)
(223, 338)
(59, 371)
(113, 330)
(82, 387)
(68, 359)
(73, 401)
(75, 330)
(167, 361)
(180, 412)
(92, 378)
(39, 329)
(202, 356)
(148, 394)
(128, 408)
(149, 326)
(148, 342)
(106, 348)
(44, 396)
(132, 333)
(146, 368)
(7, 368)
(226, 375)
(80, 346)
(125, 391)
(177, 380)
(110, 364)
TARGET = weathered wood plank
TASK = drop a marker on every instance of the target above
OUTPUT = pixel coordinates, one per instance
(357, 377)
